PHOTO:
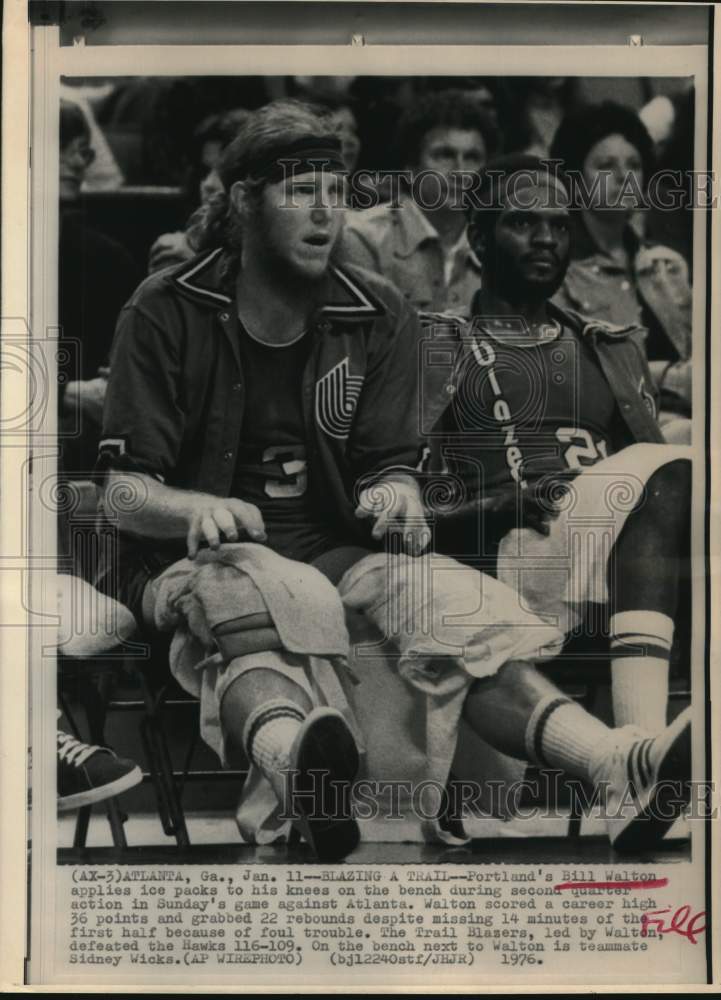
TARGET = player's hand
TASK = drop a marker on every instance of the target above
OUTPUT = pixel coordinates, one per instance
(89, 395)
(396, 505)
(536, 504)
(223, 519)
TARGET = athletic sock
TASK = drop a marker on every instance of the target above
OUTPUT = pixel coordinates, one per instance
(640, 652)
(268, 737)
(562, 734)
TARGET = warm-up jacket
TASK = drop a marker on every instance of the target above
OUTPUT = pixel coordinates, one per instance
(175, 400)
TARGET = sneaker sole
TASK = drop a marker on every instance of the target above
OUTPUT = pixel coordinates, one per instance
(648, 828)
(93, 795)
(324, 744)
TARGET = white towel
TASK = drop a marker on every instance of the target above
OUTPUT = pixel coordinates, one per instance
(303, 604)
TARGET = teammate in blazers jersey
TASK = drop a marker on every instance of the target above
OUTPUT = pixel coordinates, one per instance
(561, 483)
(260, 441)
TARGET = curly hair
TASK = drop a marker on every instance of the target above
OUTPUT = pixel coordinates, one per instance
(444, 109)
(580, 130)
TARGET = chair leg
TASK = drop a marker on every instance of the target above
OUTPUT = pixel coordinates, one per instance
(95, 709)
(160, 766)
(147, 735)
(574, 821)
(188, 760)
(81, 827)
(177, 815)
(116, 819)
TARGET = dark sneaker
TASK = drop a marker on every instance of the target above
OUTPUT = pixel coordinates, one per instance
(324, 762)
(88, 774)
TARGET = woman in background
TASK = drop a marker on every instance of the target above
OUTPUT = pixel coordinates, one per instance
(615, 275)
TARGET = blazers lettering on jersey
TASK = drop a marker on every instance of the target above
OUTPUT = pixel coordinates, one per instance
(618, 355)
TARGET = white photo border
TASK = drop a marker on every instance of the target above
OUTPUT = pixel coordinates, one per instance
(51, 61)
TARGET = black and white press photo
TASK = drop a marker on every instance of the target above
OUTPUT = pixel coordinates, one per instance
(370, 506)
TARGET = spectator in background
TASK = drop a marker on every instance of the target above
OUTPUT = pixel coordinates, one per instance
(532, 108)
(419, 242)
(150, 121)
(675, 158)
(96, 276)
(483, 91)
(103, 173)
(613, 274)
(380, 101)
(341, 109)
(211, 137)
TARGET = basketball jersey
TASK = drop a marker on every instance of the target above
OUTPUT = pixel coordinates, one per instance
(523, 410)
(272, 467)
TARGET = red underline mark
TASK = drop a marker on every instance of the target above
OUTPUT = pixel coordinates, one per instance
(657, 883)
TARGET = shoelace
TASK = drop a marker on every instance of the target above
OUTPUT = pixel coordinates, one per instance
(72, 751)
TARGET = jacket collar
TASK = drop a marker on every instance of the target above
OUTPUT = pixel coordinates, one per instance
(584, 246)
(575, 321)
(343, 295)
(414, 229)
(585, 327)
(202, 278)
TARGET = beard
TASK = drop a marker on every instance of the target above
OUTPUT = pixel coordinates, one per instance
(506, 275)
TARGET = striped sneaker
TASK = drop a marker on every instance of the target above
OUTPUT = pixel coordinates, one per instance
(644, 783)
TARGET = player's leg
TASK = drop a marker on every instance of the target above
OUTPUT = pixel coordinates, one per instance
(267, 708)
(507, 701)
(306, 752)
(263, 698)
(643, 579)
(261, 713)
(642, 782)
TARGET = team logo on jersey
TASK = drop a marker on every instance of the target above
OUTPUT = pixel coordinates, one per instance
(647, 397)
(336, 397)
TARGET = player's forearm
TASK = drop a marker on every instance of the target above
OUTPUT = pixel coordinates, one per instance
(145, 507)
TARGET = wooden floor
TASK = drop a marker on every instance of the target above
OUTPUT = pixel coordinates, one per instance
(504, 850)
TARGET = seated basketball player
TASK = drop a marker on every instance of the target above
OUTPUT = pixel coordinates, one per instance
(260, 439)
(541, 397)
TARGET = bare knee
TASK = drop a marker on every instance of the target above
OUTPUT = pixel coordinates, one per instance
(670, 487)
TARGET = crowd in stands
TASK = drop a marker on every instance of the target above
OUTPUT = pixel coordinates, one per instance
(628, 267)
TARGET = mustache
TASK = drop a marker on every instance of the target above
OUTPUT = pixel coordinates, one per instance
(547, 255)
